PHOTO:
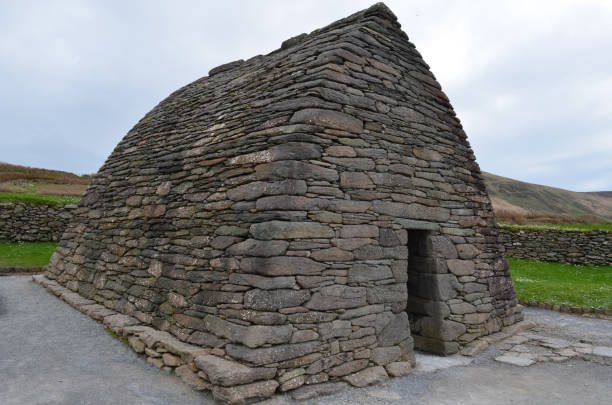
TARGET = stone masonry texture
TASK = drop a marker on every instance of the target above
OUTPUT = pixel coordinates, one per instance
(33, 222)
(301, 216)
(585, 248)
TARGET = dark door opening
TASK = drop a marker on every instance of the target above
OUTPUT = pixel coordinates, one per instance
(428, 282)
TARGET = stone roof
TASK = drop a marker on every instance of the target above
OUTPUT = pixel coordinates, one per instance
(317, 211)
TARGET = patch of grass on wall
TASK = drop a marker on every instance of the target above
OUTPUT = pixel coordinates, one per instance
(562, 284)
(37, 199)
(36, 254)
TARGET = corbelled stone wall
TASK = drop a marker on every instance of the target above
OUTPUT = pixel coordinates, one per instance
(587, 248)
(33, 222)
(279, 211)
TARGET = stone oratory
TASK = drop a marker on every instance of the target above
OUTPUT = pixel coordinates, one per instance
(294, 221)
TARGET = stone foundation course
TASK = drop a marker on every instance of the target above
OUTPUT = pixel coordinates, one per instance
(585, 248)
(306, 218)
(33, 222)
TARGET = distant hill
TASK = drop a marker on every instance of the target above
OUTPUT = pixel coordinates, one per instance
(29, 180)
(512, 199)
(528, 199)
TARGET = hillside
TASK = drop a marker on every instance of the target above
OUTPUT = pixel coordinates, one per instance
(529, 199)
(23, 183)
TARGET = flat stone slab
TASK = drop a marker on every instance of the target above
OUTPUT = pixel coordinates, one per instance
(602, 351)
(318, 390)
(368, 376)
(228, 373)
(515, 360)
(426, 363)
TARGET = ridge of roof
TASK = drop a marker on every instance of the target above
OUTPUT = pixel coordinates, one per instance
(379, 10)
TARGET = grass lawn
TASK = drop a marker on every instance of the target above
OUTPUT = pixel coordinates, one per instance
(571, 227)
(562, 284)
(37, 199)
(34, 254)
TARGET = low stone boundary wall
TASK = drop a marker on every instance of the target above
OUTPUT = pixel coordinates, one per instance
(587, 248)
(33, 222)
(588, 311)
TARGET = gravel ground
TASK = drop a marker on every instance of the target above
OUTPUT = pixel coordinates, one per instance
(53, 354)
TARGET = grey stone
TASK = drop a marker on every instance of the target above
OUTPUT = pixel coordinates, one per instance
(437, 246)
(249, 191)
(281, 266)
(362, 272)
(290, 169)
(328, 118)
(413, 211)
(269, 355)
(335, 329)
(355, 180)
(348, 368)
(205, 339)
(229, 373)
(211, 298)
(253, 247)
(240, 394)
(414, 224)
(290, 230)
(441, 329)
(318, 390)
(251, 336)
(433, 265)
(388, 293)
(395, 331)
(256, 317)
(461, 267)
(385, 355)
(291, 202)
(362, 311)
(332, 255)
(398, 369)
(352, 163)
(602, 351)
(264, 283)
(389, 237)
(336, 297)
(359, 231)
(434, 345)
(273, 300)
(438, 287)
(462, 308)
(307, 335)
(515, 360)
(466, 251)
(295, 150)
(367, 377)
(190, 378)
(434, 309)
(340, 151)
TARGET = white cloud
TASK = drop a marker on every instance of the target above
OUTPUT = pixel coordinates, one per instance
(529, 80)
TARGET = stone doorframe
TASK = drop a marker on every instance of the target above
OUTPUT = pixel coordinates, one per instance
(430, 287)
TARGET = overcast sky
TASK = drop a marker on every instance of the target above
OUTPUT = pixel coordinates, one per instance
(531, 81)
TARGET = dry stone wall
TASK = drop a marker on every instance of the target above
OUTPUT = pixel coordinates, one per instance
(33, 222)
(586, 248)
(269, 213)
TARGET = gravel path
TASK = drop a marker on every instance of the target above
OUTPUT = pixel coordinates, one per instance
(52, 354)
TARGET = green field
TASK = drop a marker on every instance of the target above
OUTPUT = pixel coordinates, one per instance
(562, 284)
(34, 254)
(37, 199)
